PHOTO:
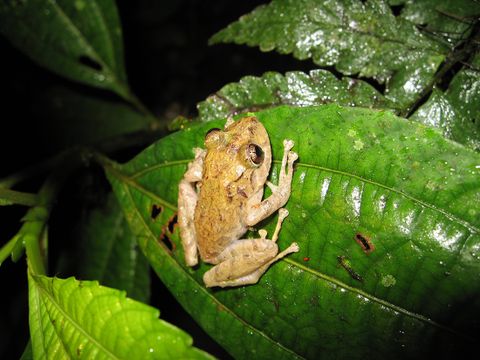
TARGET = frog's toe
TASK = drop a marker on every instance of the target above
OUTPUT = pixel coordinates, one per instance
(282, 213)
(292, 156)
(293, 247)
(288, 144)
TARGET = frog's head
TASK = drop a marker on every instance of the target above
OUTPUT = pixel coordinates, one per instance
(246, 147)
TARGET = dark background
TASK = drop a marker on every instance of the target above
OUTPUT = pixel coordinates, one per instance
(170, 68)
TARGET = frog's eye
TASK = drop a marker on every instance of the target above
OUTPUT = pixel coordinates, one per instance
(213, 136)
(255, 154)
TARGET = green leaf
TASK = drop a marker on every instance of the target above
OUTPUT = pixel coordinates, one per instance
(78, 118)
(80, 319)
(80, 40)
(456, 112)
(109, 251)
(401, 184)
(357, 37)
(449, 19)
(318, 87)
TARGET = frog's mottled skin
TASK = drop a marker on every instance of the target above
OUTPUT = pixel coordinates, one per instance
(220, 196)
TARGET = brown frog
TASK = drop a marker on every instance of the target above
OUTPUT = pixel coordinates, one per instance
(220, 197)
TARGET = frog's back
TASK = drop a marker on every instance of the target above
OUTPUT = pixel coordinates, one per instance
(218, 220)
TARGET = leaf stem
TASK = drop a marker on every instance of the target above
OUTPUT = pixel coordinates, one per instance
(459, 54)
(12, 197)
(33, 234)
(34, 231)
(139, 138)
(152, 119)
(7, 249)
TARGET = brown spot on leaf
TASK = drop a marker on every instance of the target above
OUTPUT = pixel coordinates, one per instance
(167, 231)
(345, 263)
(172, 222)
(365, 243)
(156, 210)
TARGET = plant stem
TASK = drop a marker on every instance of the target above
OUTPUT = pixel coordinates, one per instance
(7, 249)
(34, 231)
(11, 197)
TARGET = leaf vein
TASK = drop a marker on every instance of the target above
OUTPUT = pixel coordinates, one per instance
(202, 288)
(74, 323)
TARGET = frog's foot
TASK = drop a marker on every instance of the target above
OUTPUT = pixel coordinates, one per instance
(245, 262)
(272, 186)
(288, 145)
(289, 157)
(282, 214)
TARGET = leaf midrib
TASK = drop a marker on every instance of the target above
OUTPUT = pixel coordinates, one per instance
(376, 35)
(131, 179)
(73, 322)
(202, 288)
(84, 43)
(373, 298)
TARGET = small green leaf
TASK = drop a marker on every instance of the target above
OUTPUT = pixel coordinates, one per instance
(394, 200)
(318, 87)
(80, 40)
(357, 37)
(80, 319)
(456, 112)
(109, 251)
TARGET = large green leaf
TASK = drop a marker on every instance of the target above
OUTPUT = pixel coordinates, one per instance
(295, 88)
(457, 110)
(449, 19)
(413, 193)
(79, 118)
(357, 37)
(80, 40)
(80, 319)
(109, 252)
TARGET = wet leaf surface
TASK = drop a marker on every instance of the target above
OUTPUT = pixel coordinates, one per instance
(356, 37)
(450, 20)
(456, 112)
(80, 319)
(386, 215)
(318, 87)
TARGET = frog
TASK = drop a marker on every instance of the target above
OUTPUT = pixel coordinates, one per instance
(220, 198)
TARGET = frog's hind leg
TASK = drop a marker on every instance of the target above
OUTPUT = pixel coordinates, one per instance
(245, 261)
(187, 201)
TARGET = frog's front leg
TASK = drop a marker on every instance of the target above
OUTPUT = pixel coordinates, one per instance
(256, 212)
(245, 261)
(187, 201)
